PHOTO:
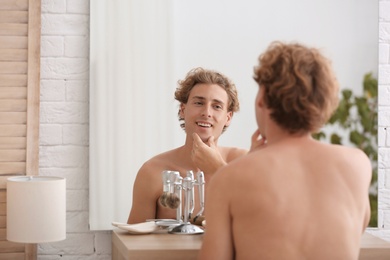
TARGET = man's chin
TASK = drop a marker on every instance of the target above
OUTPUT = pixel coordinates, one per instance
(204, 137)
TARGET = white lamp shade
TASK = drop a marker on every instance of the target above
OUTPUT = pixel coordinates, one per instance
(36, 209)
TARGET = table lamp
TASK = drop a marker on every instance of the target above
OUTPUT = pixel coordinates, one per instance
(36, 209)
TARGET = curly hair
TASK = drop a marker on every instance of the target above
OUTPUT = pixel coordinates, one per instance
(301, 89)
(204, 76)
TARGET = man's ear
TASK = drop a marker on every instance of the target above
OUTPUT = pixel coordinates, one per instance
(229, 118)
(181, 111)
(260, 98)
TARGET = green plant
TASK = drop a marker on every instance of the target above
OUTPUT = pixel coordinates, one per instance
(357, 118)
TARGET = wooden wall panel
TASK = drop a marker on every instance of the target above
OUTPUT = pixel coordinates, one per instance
(10, 118)
(13, 67)
(15, 5)
(13, 130)
(20, 26)
(13, 54)
(14, 51)
(13, 29)
(12, 16)
(13, 80)
(15, 155)
(13, 256)
(13, 93)
(13, 42)
(13, 105)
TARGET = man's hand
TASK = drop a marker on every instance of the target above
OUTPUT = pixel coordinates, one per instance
(206, 156)
(258, 141)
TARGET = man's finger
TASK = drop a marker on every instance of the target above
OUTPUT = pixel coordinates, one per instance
(256, 136)
(196, 138)
(210, 141)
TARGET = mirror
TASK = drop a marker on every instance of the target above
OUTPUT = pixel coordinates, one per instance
(167, 40)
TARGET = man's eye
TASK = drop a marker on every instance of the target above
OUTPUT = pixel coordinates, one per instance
(218, 107)
(198, 103)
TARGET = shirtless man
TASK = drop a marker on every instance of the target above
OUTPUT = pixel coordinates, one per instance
(293, 197)
(208, 100)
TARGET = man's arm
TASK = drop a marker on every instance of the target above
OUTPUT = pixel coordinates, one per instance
(218, 240)
(364, 164)
(147, 188)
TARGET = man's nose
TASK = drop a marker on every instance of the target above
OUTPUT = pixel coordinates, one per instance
(206, 111)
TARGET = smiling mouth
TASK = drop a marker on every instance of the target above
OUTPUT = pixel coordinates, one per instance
(205, 125)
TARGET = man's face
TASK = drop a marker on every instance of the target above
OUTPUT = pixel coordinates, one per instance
(206, 111)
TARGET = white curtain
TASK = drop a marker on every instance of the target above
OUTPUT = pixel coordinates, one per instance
(132, 109)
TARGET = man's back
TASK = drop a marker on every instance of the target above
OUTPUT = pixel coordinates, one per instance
(298, 199)
(291, 197)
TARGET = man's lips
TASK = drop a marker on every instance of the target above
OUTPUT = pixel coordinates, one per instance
(204, 124)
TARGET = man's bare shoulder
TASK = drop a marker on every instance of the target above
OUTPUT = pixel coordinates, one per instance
(232, 153)
(262, 160)
(159, 159)
(243, 164)
(160, 162)
(352, 158)
(243, 157)
(344, 154)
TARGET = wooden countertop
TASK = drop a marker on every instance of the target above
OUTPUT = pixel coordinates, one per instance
(170, 246)
(154, 246)
(374, 248)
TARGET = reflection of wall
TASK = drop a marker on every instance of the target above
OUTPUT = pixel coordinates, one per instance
(230, 41)
(64, 122)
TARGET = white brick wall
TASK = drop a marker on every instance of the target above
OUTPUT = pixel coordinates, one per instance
(64, 117)
(64, 123)
(384, 121)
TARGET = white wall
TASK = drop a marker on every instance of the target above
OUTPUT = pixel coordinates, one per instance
(64, 119)
(384, 120)
(64, 122)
